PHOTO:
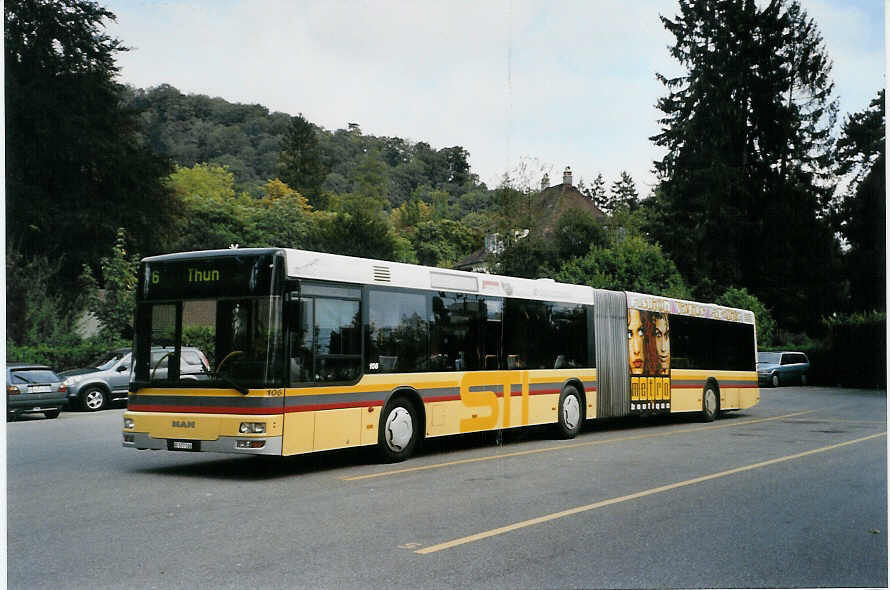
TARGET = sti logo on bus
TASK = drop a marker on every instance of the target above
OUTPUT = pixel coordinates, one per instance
(183, 424)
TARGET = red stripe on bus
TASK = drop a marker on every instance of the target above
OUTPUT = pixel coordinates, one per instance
(338, 406)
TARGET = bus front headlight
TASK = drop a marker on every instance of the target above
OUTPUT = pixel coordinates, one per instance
(252, 428)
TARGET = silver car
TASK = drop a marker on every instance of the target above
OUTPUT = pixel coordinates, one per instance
(108, 379)
(782, 368)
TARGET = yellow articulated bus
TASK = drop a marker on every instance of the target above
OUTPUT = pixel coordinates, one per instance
(305, 352)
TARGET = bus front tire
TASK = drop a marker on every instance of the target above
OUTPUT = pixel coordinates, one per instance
(571, 413)
(710, 402)
(398, 430)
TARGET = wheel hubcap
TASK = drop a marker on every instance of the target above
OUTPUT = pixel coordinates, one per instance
(710, 401)
(571, 411)
(94, 400)
(399, 429)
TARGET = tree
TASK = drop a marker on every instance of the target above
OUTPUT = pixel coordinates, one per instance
(623, 194)
(115, 306)
(75, 169)
(36, 313)
(283, 218)
(443, 242)
(213, 215)
(300, 160)
(629, 264)
(575, 232)
(597, 193)
(741, 197)
(861, 214)
(359, 227)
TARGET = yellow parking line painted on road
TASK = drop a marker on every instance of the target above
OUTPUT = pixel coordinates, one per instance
(644, 493)
(568, 446)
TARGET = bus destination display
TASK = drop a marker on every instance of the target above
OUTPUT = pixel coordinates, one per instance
(206, 277)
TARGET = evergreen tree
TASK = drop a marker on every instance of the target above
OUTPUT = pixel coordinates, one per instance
(742, 197)
(861, 215)
(598, 194)
(300, 160)
(623, 194)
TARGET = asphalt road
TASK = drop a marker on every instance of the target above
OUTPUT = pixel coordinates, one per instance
(790, 493)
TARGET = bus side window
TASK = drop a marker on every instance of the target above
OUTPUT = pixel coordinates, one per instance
(300, 318)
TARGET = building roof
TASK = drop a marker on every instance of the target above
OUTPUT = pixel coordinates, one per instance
(556, 200)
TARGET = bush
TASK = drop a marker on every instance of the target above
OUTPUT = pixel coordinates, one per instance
(61, 357)
(858, 345)
(852, 353)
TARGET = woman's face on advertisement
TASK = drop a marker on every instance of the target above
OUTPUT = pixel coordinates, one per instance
(663, 345)
(635, 342)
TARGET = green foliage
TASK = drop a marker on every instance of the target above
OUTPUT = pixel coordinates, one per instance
(531, 257)
(741, 299)
(36, 309)
(213, 215)
(575, 232)
(191, 129)
(623, 195)
(115, 306)
(281, 219)
(75, 167)
(62, 355)
(359, 227)
(301, 163)
(443, 242)
(861, 214)
(857, 345)
(630, 264)
(598, 194)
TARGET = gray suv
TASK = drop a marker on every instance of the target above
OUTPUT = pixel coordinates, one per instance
(108, 378)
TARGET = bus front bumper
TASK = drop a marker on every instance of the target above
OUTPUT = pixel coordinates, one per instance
(268, 445)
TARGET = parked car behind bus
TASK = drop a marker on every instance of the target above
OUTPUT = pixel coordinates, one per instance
(32, 389)
(108, 378)
(782, 368)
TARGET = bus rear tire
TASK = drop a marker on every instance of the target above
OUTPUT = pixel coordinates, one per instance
(571, 413)
(710, 402)
(397, 431)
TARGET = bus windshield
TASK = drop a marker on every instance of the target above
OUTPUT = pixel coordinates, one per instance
(240, 339)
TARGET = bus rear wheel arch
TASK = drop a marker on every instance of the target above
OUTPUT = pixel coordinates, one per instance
(710, 401)
(399, 429)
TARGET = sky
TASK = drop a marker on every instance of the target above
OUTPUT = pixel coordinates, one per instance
(525, 86)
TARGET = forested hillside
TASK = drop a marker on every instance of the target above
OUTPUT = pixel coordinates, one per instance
(248, 140)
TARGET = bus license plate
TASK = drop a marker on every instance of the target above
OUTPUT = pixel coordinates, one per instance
(183, 445)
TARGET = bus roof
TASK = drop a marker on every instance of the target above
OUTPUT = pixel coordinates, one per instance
(333, 267)
(304, 264)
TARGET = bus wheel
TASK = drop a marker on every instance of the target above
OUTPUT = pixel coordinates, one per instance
(710, 403)
(570, 413)
(398, 430)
